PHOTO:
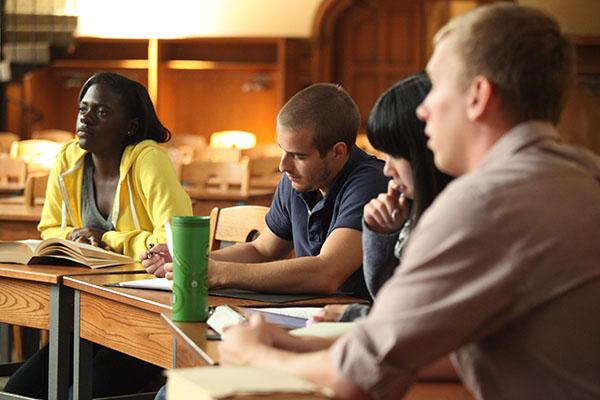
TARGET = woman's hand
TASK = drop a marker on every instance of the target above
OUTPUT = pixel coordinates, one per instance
(330, 313)
(154, 260)
(90, 236)
(388, 212)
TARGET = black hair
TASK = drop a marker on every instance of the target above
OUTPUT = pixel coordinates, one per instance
(393, 128)
(136, 100)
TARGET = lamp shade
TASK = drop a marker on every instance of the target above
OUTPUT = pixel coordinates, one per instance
(232, 140)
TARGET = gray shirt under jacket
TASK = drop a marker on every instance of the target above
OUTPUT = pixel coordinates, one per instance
(90, 213)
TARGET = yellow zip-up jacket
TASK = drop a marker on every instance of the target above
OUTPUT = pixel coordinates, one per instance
(148, 193)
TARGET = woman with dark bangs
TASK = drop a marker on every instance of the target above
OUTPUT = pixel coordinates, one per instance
(394, 129)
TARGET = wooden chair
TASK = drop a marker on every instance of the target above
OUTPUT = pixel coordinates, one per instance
(208, 175)
(13, 172)
(262, 150)
(185, 147)
(237, 224)
(39, 154)
(219, 155)
(264, 172)
(35, 189)
(6, 140)
(55, 135)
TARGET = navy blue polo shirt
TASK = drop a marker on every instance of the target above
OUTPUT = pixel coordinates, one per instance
(297, 217)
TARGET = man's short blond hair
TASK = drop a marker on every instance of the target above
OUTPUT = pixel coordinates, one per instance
(521, 51)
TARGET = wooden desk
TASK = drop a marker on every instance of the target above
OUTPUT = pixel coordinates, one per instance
(33, 296)
(193, 349)
(203, 201)
(19, 222)
(129, 321)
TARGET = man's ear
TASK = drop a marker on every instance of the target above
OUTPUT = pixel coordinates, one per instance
(340, 149)
(479, 97)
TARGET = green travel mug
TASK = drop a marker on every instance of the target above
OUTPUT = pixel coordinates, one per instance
(190, 268)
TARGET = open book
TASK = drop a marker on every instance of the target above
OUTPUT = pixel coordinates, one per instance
(203, 383)
(59, 251)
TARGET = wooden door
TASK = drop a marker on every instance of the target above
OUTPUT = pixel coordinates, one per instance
(377, 44)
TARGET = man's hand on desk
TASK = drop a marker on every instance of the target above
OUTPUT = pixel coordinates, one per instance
(167, 270)
(154, 260)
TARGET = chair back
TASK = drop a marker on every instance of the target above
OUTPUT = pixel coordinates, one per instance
(187, 146)
(6, 140)
(206, 175)
(264, 172)
(39, 154)
(262, 150)
(35, 188)
(237, 224)
(219, 155)
(13, 172)
(55, 135)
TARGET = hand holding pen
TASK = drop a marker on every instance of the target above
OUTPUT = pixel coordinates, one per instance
(155, 258)
(387, 212)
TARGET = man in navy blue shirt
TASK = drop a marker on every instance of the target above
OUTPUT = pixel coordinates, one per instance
(317, 208)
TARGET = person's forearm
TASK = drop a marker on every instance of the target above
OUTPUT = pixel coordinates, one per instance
(241, 253)
(303, 344)
(297, 275)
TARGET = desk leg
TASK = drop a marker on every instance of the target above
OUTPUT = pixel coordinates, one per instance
(82, 358)
(61, 298)
(5, 343)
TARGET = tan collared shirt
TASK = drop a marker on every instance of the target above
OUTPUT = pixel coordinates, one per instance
(503, 270)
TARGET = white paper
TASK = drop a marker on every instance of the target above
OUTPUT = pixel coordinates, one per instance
(169, 235)
(222, 317)
(152, 283)
(299, 312)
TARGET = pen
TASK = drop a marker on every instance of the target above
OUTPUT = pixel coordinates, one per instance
(149, 252)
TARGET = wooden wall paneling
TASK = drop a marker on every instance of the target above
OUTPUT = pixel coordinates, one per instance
(294, 67)
(14, 112)
(203, 102)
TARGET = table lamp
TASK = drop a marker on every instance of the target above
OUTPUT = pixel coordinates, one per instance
(232, 139)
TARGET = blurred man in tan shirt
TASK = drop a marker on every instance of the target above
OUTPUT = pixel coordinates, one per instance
(503, 270)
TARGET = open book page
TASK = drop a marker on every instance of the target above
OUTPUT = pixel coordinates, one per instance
(324, 329)
(19, 252)
(52, 251)
(90, 255)
(222, 382)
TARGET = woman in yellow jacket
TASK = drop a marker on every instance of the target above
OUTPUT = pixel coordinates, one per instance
(133, 184)
(113, 187)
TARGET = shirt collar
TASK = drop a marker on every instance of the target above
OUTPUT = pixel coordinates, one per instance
(517, 138)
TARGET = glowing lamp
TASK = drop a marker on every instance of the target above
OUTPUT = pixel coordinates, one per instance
(232, 140)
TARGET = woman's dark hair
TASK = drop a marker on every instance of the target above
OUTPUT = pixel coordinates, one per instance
(136, 100)
(393, 127)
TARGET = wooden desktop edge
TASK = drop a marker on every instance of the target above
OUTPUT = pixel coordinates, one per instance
(181, 335)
